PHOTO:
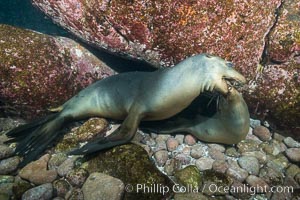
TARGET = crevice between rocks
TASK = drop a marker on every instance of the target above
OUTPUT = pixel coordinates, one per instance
(265, 59)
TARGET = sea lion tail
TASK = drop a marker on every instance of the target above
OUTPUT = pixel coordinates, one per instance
(35, 137)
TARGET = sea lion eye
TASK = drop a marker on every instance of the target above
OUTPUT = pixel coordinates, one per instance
(229, 64)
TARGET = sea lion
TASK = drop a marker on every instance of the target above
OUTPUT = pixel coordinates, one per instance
(229, 125)
(132, 97)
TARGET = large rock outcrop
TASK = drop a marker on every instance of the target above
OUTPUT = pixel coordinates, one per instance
(39, 71)
(252, 34)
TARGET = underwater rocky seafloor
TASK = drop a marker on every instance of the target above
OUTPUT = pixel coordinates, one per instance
(155, 166)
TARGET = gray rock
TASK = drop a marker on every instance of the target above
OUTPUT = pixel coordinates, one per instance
(61, 187)
(198, 151)
(172, 144)
(5, 151)
(236, 172)
(161, 157)
(77, 177)
(279, 163)
(262, 133)
(240, 190)
(292, 170)
(162, 137)
(218, 147)
(220, 166)
(259, 155)
(232, 152)
(6, 188)
(76, 194)
(248, 145)
(250, 164)
(160, 145)
(293, 154)
(56, 160)
(278, 137)
(179, 138)
(254, 123)
(259, 184)
(9, 165)
(297, 178)
(6, 179)
(204, 163)
(171, 166)
(271, 176)
(190, 140)
(104, 187)
(66, 166)
(216, 154)
(183, 158)
(44, 192)
(291, 143)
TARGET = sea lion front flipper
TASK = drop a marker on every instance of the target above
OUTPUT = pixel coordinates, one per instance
(120, 136)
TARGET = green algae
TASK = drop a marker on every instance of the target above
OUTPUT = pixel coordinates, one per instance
(131, 164)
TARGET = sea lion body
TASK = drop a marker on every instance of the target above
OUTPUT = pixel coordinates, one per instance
(229, 125)
(132, 97)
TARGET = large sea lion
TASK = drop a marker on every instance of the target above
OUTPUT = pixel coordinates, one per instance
(132, 97)
(229, 125)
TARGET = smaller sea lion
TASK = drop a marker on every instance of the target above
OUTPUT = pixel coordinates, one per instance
(132, 97)
(229, 125)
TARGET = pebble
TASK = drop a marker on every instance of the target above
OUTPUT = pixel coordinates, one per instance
(190, 140)
(186, 150)
(75, 194)
(9, 165)
(190, 196)
(61, 187)
(292, 170)
(171, 166)
(259, 184)
(162, 137)
(5, 151)
(66, 166)
(44, 192)
(278, 137)
(183, 158)
(271, 176)
(104, 186)
(240, 190)
(6, 188)
(262, 133)
(259, 155)
(218, 147)
(148, 140)
(56, 160)
(293, 154)
(232, 152)
(160, 145)
(236, 172)
(291, 143)
(172, 144)
(204, 163)
(297, 178)
(216, 154)
(220, 166)
(197, 151)
(77, 177)
(161, 157)
(248, 145)
(254, 123)
(179, 138)
(29, 172)
(6, 179)
(20, 187)
(250, 164)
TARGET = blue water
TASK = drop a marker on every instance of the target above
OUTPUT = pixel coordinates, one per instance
(22, 13)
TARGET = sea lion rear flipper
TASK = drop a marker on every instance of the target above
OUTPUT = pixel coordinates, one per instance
(120, 136)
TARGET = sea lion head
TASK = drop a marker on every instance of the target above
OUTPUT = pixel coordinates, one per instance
(218, 74)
